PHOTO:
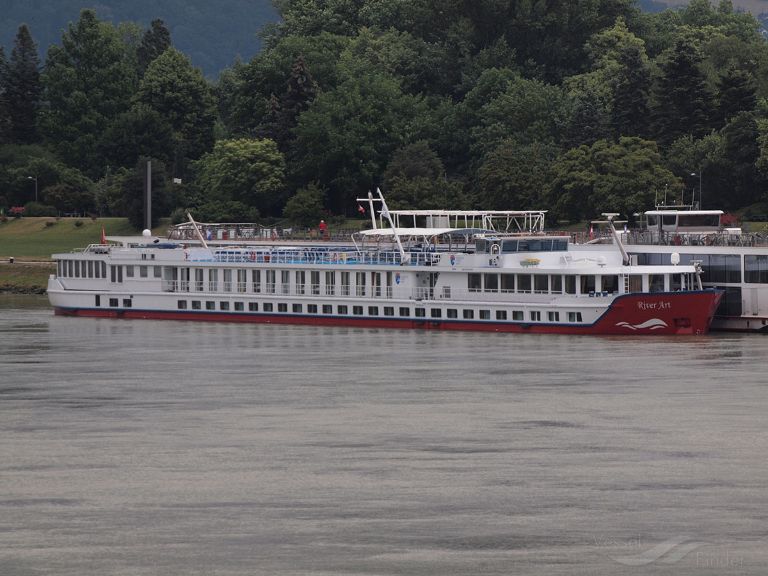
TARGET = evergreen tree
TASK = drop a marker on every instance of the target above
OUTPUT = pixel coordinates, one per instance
(630, 93)
(683, 101)
(156, 40)
(283, 114)
(5, 120)
(301, 91)
(179, 93)
(737, 93)
(24, 87)
(588, 120)
(741, 152)
(87, 82)
(272, 126)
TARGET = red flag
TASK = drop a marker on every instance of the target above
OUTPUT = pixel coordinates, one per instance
(360, 209)
(103, 236)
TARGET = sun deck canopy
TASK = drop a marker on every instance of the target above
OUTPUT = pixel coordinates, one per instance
(423, 232)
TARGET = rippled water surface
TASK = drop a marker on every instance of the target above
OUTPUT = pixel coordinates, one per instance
(148, 447)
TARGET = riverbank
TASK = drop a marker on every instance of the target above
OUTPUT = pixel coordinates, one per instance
(25, 277)
(31, 241)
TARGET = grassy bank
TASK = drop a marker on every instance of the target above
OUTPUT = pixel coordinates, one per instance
(25, 278)
(38, 238)
(31, 241)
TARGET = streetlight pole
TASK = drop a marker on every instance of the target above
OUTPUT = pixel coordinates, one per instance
(701, 173)
(35, 179)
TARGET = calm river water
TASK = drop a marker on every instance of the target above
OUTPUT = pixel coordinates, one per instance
(171, 448)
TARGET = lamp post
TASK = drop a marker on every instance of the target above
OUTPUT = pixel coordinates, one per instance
(35, 179)
(701, 173)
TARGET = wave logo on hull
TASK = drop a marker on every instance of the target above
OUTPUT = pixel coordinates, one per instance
(668, 552)
(652, 324)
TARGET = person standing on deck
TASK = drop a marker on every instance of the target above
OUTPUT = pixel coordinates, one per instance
(323, 229)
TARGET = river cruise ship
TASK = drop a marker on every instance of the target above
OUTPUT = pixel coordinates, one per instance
(732, 260)
(462, 270)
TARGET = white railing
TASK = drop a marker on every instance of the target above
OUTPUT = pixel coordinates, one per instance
(325, 256)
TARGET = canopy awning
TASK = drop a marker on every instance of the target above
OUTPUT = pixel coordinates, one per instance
(422, 232)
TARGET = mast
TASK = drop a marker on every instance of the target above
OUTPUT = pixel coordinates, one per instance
(616, 239)
(385, 212)
(197, 231)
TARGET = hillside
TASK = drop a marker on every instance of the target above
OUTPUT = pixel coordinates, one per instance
(756, 7)
(212, 34)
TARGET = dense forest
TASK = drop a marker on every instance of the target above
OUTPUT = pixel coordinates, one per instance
(576, 106)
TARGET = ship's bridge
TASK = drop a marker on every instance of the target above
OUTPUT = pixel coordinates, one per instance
(512, 245)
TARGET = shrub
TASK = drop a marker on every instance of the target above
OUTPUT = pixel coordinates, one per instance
(49, 223)
(38, 209)
(78, 223)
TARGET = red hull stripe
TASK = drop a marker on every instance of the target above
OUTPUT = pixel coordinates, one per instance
(628, 314)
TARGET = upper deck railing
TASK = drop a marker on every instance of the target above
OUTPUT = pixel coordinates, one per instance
(647, 238)
(321, 256)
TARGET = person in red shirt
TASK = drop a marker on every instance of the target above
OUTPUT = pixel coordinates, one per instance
(323, 229)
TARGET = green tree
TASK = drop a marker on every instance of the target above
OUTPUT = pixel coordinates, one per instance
(589, 118)
(306, 207)
(178, 92)
(742, 183)
(68, 198)
(515, 176)
(683, 100)
(737, 93)
(87, 82)
(529, 110)
(138, 132)
(415, 179)
(631, 87)
(244, 170)
(23, 87)
(609, 177)
(20, 164)
(345, 138)
(401, 55)
(245, 89)
(5, 119)
(300, 91)
(312, 17)
(155, 41)
(131, 184)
